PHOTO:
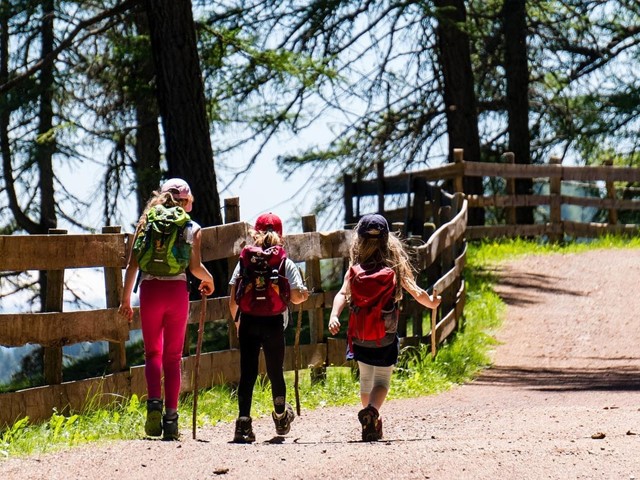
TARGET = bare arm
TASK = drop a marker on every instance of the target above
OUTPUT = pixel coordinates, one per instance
(233, 306)
(129, 280)
(197, 268)
(421, 295)
(339, 302)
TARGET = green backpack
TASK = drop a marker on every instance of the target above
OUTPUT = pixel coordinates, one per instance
(163, 248)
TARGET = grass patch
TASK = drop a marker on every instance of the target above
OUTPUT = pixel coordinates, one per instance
(417, 374)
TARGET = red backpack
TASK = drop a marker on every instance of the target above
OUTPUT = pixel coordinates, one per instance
(262, 289)
(372, 290)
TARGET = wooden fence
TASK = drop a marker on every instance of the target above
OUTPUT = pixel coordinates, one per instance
(440, 260)
(418, 201)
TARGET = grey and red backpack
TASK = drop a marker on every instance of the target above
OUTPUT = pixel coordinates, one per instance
(262, 288)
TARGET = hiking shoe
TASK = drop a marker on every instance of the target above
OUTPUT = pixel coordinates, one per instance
(170, 428)
(244, 432)
(371, 424)
(283, 421)
(153, 424)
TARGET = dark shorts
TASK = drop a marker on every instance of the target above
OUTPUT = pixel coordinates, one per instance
(378, 356)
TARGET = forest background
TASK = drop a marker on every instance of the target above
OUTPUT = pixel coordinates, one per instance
(112, 97)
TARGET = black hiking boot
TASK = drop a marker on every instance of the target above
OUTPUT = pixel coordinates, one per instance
(283, 421)
(153, 424)
(371, 424)
(244, 432)
(170, 427)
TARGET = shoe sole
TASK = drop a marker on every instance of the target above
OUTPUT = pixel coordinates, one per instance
(285, 430)
(153, 424)
(369, 430)
(244, 439)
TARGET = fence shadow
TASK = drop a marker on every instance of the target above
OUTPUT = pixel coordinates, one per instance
(563, 379)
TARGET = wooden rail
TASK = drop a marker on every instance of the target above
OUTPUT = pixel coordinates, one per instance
(423, 200)
(440, 261)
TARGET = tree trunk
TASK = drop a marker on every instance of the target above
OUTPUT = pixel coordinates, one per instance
(46, 145)
(459, 96)
(180, 93)
(517, 75)
(147, 147)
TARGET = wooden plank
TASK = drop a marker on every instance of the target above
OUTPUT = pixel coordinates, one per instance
(591, 230)
(503, 201)
(63, 328)
(38, 403)
(336, 348)
(302, 247)
(482, 169)
(600, 173)
(450, 277)
(313, 282)
(223, 241)
(53, 283)
(601, 203)
(497, 231)
(59, 252)
(444, 237)
(113, 292)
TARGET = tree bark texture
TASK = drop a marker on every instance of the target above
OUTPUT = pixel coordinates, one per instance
(147, 147)
(459, 96)
(46, 145)
(180, 93)
(517, 74)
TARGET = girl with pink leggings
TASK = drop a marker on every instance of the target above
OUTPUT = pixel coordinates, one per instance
(164, 309)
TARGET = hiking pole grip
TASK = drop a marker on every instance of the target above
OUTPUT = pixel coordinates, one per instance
(203, 313)
(434, 322)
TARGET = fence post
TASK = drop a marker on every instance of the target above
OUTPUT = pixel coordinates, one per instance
(458, 181)
(347, 180)
(611, 194)
(316, 315)
(419, 198)
(555, 202)
(53, 303)
(113, 292)
(232, 214)
(509, 158)
(380, 171)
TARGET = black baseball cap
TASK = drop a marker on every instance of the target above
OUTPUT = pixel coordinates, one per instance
(373, 225)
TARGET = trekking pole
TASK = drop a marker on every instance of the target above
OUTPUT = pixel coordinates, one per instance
(434, 320)
(296, 360)
(203, 312)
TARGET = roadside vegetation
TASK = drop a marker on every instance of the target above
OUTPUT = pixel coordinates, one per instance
(417, 374)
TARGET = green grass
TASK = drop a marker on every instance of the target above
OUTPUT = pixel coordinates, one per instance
(417, 374)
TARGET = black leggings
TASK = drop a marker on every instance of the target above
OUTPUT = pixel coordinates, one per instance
(268, 333)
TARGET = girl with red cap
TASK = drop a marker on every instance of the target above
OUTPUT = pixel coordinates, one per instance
(373, 248)
(257, 329)
(164, 310)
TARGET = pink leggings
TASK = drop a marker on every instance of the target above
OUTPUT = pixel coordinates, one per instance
(164, 308)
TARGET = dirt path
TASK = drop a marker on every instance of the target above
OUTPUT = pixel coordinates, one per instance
(568, 370)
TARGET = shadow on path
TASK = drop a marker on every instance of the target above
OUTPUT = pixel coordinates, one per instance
(562, 379)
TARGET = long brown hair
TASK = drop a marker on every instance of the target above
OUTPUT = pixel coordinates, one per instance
(388, 251)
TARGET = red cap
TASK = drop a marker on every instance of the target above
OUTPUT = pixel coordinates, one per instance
(180, 191)
(269, 221)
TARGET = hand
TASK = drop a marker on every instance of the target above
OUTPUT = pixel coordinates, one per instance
(206, 287)
(334, 325)
(126, 311)
(435, 300)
